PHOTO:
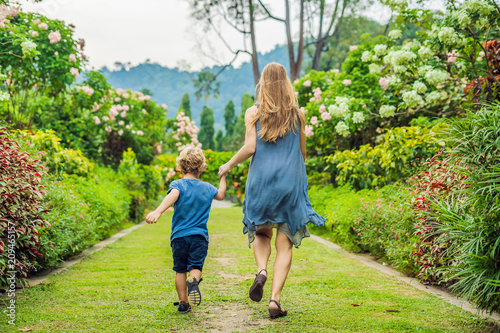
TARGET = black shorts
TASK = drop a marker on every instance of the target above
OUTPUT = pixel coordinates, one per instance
(189, 253)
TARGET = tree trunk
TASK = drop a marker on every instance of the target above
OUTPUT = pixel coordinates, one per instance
(320, 44)
(300, 50)
(255, 63)
(291, 53)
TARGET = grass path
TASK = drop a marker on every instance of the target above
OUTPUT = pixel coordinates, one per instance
(128, 287)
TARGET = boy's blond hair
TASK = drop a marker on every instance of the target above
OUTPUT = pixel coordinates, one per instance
(191, 160)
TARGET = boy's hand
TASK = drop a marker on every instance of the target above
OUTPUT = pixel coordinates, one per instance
(153, 217)
(223, 170)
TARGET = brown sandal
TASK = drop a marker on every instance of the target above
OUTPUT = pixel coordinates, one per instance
(277, 313)
(257, 288)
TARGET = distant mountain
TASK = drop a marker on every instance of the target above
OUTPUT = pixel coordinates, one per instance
(169, 84)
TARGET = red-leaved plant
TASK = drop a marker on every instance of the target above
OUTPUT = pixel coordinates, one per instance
(438, 182)
(21, 195)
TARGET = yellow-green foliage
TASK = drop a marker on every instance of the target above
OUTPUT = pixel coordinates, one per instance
(45, 146)
(403, 149)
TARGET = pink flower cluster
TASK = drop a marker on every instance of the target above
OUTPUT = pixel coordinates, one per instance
(186, 132)
(170, 174)
(452, 56)
(317, 94)
(72, 57)
(309, 131)
(86, 89)
(75, 72)
(307, 83)
(55, 37)
(324, 114)
(353, 47)
(346, 82)
(383, 82)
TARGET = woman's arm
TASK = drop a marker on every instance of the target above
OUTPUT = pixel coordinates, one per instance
(303, 141)
(248, 148)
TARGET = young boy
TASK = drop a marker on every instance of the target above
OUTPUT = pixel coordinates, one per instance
(192, 200)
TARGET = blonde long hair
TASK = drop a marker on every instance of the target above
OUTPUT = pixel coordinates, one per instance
(277, 111)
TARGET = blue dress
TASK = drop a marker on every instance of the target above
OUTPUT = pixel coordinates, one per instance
(276, 189)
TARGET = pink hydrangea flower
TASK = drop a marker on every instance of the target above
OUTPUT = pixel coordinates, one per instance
(164, 106)
(72, 57)
(97, 120)
(55, 37)
(336, 71)
(123, 114)
(314, 121)
(117, 99)
(120, 132)
(309, 131)
(95, 107)
(322, 108)
(383, 82)
(326, 116)
(353, 47)
(34, 33)
(43, 26)
(144, 111)
(121, 123)
(75, 72)
(346, 82)
(307, 83)
(126, 95)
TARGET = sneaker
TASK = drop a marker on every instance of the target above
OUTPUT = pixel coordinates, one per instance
(183, 307)
(194, 295)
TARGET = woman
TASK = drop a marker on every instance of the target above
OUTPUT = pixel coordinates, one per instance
(276, 190)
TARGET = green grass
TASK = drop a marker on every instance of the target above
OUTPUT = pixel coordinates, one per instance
(128, 287)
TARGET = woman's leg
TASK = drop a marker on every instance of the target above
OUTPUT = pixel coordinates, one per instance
(281, 266)
(262, 248)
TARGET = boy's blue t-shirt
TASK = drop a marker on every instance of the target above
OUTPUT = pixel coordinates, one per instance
(192, 207)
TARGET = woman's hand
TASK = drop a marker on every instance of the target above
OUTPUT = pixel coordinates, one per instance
(223, 170)
(153, 217)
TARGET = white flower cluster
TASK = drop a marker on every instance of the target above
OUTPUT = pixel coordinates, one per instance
(28, 48)
(398, 58)
(448, 36)
(433, 97)
(395, 34)
(367, 56)
(374, 69)
(358, 118)
(341, 110)
(380, 49)
(342, 129)
(393, 80)
(436, 77)
(425, 53)
(462, 17)
(479, 6)
(396, 5)
(413, 45)
(419, 87)
(387, 111)
(412, 99)
(4, 96)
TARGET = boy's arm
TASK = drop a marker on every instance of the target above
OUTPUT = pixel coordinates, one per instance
(169, 200)
(222, 189)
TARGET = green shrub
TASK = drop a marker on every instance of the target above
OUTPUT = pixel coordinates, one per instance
(396, 158)
(466, 217)
(81, 212)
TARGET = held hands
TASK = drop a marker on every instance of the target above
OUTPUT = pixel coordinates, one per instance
(223, 170)
(153, 217)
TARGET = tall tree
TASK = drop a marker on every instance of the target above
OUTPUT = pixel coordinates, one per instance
(185, 105)
(219, 141)
(229, 118)
(238, 14)
(295, 61)
(239, 127)
(207, 131)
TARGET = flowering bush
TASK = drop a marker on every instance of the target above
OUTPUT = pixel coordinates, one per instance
(390, 161)
(21, 209)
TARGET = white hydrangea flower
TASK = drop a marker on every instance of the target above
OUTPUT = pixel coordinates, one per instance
(396, 5)
(380, 49)
(419, 87)
(339, 111)
(339, 100)
(395, 34)
(425, 53)
(480, 6)
(358, 118)
(28, 47)
(399, 69)
(422, 70)
(449, 37)
(4, 96)
(342, 129)
(412, 99)
(387, 111)
(398, 58)
(366, 56)
(393, 80)
(413, 45)
(482, 22)
(462, 17)
(436, 77)
(433, 97)
(374, 69)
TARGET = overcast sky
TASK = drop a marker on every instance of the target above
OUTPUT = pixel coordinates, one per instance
(161, 30)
